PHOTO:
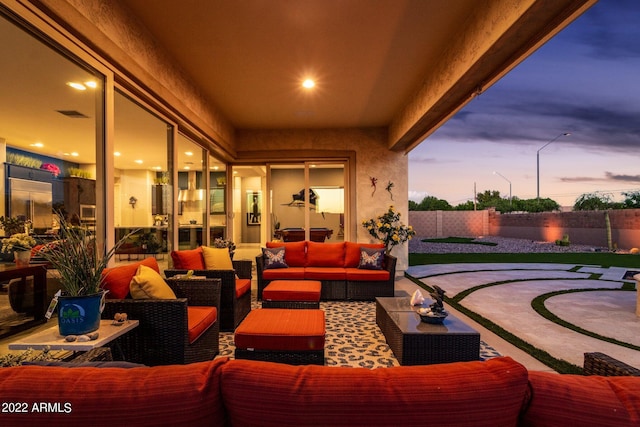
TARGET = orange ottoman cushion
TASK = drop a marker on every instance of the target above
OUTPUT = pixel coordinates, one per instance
(281, 329)
(292, 290)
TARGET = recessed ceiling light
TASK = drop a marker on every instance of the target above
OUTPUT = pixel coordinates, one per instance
(157, 168)
(91, 84)
(74, 154)
(77, 86)
(308, 84)
(116, 153)
(37, 144)
(187, 167)
(138, 161)
(188, 153)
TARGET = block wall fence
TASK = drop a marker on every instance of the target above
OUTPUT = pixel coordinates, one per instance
(583, 227)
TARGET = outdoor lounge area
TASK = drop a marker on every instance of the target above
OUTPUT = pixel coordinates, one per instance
(254, 157)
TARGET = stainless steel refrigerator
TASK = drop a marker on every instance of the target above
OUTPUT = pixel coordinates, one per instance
(31, 199)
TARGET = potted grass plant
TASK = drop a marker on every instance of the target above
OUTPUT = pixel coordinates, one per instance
(80, 263)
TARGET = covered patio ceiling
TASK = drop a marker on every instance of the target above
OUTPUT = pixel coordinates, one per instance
(407, 65)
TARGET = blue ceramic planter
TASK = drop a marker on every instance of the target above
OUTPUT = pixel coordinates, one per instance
(79, 315)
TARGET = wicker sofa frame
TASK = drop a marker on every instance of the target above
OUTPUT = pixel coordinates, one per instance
(232, 308)
(162, 338)
(345, 289)
(605, 365)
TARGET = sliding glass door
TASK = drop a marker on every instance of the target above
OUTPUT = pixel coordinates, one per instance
(307, 201)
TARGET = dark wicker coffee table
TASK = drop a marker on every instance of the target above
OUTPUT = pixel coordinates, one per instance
(417, 343)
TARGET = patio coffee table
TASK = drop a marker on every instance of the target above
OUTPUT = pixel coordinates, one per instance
(415, 342)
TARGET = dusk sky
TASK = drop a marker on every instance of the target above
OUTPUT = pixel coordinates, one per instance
(585, 81)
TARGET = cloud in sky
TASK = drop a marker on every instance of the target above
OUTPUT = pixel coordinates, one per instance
(584, 81)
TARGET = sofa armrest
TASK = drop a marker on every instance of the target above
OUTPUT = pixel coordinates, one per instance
(243, 268)
(161, 336)
(198, 292)
(390, 265)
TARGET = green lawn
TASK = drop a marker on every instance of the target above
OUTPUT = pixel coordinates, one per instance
(604, 259)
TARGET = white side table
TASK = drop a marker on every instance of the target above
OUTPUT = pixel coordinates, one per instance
(50, 338)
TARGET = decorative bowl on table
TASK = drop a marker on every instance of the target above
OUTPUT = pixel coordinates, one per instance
(433, 317)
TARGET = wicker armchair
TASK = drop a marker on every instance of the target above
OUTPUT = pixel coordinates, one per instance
(232, 308)
(605, 365)
(162, 338)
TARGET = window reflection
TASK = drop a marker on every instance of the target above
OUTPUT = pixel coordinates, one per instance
(142, 186)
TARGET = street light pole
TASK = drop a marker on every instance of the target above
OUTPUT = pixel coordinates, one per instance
(499, 174)
(538, 161)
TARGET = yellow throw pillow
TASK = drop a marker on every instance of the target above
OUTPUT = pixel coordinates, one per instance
(217, 258)
(148, 284)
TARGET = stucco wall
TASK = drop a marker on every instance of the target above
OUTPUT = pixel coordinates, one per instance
(583, 227)
(373, 159)
(450, 223)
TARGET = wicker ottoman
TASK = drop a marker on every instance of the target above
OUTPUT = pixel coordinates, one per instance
(292, 294)
(282, 335)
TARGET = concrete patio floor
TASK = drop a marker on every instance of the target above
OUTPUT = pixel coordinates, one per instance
(610, 313)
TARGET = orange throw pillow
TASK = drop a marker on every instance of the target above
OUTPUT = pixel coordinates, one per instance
(190, 259)
(117, 279)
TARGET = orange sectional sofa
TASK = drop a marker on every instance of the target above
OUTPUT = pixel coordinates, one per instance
(222, 392)
(336, 265)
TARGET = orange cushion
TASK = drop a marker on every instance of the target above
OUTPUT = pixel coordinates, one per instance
(117, 279)
(325, 254)
(281, 329)
(359, 274)
(352, 252)
(177, 395)
(284, 273)
(199, 319)
(325, 273)
(575, 400)
(292, 290)
(295, 253)
(190, 259)
(459, 394)
(242, 287)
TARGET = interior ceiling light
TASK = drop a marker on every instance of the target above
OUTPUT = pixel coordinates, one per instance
(74, 154)
(37, 144)
(116, 153)
(188, 153)
(91, 84)
(77, 86)
(187, 167)
(157, 168)
(138, 161)
(308, 84)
